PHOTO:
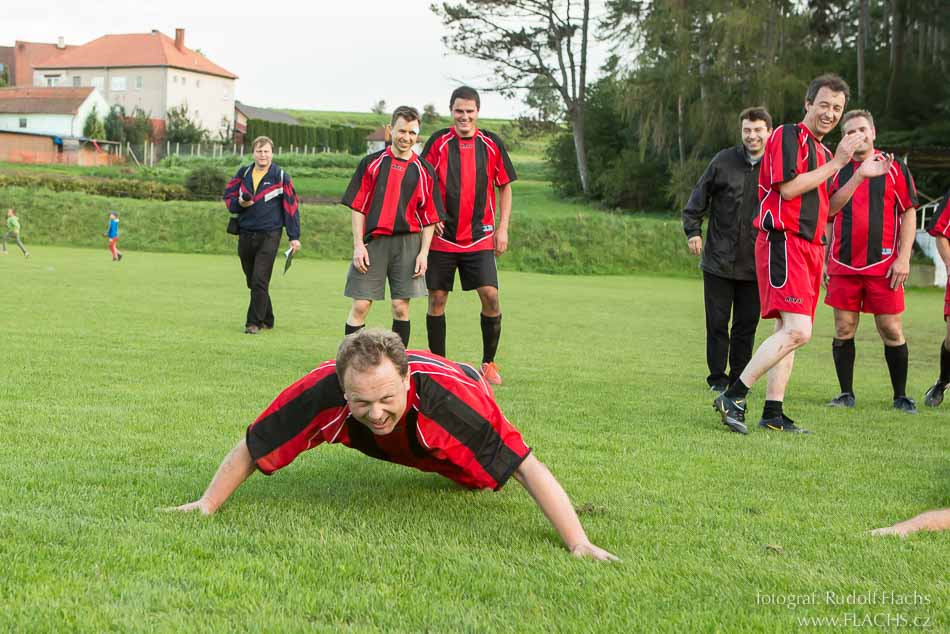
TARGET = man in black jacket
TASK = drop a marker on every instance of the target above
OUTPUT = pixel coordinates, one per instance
(263, 196)
(728, 193)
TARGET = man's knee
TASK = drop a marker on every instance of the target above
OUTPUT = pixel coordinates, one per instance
(846, 324)
(401, 309)
(360, 309)
(437, 302)
(797, 330)
(891, 329)
(490, 303)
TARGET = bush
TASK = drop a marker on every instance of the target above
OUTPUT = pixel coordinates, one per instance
(121, 187)
(206, 182)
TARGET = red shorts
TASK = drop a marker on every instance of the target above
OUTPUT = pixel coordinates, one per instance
(789, 273)
(864, 293)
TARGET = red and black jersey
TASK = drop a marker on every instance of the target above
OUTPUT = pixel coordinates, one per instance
(864, 235)
(469, 169)
(396, 195)
(790, 151)
(452, 425)
(939, 224)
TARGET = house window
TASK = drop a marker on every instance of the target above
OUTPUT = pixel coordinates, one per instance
(118, 83)
(197, 83)
(77, 81)
(174, 79)
(52, 80)
(139, 82)
(22, 122)
(98, 82)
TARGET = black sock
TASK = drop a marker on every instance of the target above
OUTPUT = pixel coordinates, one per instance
(491, 333)
(772, 409)
(896, 357)
(737, 390)
(843, 352)
(435, 329)
(349, 330)
(944, 364)
(401, 328)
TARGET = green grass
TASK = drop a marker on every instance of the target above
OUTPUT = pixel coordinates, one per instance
(124, 385)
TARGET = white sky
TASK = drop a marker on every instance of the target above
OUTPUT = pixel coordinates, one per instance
(317, 55)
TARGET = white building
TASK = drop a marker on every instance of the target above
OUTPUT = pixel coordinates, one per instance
(54, 111)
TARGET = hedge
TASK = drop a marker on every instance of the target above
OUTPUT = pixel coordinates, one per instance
(336, 138)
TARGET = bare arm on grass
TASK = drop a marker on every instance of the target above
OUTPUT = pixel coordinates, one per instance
(556, 506)
(236, 467)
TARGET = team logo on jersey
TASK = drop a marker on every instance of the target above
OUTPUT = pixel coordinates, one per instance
(399, 168)
(793, 300)
(467, 146)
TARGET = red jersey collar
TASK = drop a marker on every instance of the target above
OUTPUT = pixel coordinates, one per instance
(412, 155)
(456, 134)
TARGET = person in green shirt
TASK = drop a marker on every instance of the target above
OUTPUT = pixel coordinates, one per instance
(13, 231)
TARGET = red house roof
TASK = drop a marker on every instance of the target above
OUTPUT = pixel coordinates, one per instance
(135, 50)
(37, 100)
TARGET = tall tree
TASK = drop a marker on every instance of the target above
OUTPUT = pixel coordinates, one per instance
(526, 39)
(543, 99)
(897, 54)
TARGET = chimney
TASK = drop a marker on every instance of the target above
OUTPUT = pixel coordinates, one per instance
(61, 42)
(180, 39)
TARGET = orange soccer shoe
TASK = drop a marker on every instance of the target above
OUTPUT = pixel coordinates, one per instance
(490, 372)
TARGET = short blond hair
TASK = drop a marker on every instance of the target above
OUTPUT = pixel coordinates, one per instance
(852, 114)
(262, 140)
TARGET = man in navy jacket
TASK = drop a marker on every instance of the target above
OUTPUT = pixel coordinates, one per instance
(262, 195)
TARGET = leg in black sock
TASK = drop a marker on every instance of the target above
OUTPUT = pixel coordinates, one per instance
(349, 330)
(401, 328)
(944, 364)
(491, 333)
(738, 389)
(435, 330)
(843, 352)
(772, 409)
(896, 357)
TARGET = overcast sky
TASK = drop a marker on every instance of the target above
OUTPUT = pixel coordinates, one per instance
(316, 55)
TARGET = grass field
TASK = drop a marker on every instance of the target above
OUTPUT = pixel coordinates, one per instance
(124, 385)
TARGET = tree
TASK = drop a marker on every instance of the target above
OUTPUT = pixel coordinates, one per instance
(138, 127)
(379, 107)
(115, 124)
(429, 114)
(179, 128)
(525, 39)
(94, 128)
(4, 77)
(543, 99)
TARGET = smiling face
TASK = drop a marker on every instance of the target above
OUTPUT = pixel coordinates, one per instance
(861, 126)
(377, 396)
(754, 136)
(824, 113)
(263, 155)
(465, 114)
(405, 133)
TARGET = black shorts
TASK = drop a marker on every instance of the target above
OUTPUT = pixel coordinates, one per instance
(476, 269)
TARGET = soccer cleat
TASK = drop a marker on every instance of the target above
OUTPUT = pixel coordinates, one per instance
(252, 330)
(845, 399)
(782, 423)
(490, 372)
(906, 405)
(934, 396)
(718, 388)
(732, 412)
(120, 257)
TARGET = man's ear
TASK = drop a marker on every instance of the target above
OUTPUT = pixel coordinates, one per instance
(388, 133)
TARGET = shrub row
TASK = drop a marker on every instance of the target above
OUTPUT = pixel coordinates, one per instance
(116, 187)
(229, 163)
(350, 139)
(590, 243)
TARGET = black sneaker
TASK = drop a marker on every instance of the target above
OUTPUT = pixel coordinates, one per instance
(934, 396)
(120, 257)
(732, 412)
(718, 388)
(906, 405)
(845, 399)
(782, 423)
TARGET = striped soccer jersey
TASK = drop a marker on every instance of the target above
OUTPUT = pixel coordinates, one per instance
(396, 195)
(452, 425)
(864, 238)
(792, 150)
(468, 169)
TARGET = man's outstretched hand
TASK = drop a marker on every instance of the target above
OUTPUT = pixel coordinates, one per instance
(588, 549)
(197, 505)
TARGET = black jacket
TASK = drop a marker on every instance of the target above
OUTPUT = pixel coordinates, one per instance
(729, 192)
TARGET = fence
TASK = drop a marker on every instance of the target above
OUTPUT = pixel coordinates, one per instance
(149, 154)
